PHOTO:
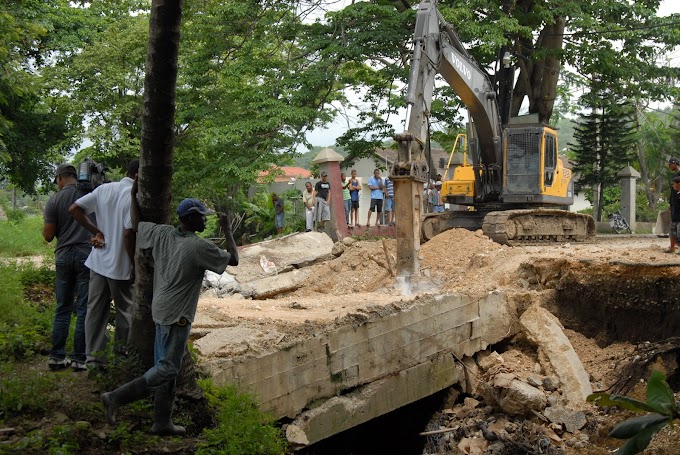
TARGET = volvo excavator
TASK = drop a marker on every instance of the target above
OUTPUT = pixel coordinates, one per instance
(515, 187)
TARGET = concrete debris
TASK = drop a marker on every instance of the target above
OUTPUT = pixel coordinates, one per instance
(486, 360)
(338, 249)
(273, 285)
(349, 241)
(545, 330)
(519, 398)
(572, 420)
(227, 341)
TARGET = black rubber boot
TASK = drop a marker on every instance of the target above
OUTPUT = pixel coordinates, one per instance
(162, 422)
(127, 393)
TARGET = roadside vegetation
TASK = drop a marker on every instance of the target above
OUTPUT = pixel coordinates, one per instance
(60, 413)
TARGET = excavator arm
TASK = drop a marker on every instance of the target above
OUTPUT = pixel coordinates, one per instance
(438, 50)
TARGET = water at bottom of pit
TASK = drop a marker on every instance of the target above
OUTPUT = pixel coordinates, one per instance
(394, 433)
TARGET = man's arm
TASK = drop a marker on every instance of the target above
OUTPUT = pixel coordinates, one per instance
(135, 213)
(225, 222)
(49, 231)
(129, 240)
(81, 217)
(328, 196)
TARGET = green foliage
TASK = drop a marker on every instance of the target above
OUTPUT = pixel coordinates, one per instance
(242, 429)
(119, 370)
(24, 395)
(23, 237)
(24, 327)
(660, 402)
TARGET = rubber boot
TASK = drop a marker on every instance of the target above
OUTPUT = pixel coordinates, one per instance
(127, 393)
(162, 422)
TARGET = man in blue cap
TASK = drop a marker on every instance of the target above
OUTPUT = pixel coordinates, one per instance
(180, 261)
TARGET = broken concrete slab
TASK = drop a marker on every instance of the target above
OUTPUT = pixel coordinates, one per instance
(519, 398)
(377, 398)
(545, 330)
(235, 340)
(358, 351)
(272, 285)
(286, 253)
(571, 419)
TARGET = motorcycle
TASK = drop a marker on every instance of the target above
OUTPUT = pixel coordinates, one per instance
(618, 223)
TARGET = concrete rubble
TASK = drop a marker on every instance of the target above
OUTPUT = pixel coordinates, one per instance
(374, 360)
(556, 354)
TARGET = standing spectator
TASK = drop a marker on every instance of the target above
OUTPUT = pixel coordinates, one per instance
(389, 201)
(674, 166)
(346, 198)
(322, 197)
(110, 263)
(355, 193)
(375, 184)
(675, 210)
(72, 276)
(279, 215)
(437, 202)
(308, 200)
(180, 261)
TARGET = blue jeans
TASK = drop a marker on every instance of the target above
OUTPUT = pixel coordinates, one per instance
(168, 352)
(71, 286)
(348, 207)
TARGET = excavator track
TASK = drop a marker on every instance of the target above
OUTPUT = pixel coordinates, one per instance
(522, 227)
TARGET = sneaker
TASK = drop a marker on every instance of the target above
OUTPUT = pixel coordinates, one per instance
(58, 364)
(77, 365)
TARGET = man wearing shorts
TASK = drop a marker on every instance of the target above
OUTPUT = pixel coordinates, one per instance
(322, 197)
(375, 184)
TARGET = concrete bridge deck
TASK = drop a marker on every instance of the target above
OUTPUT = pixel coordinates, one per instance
(350, 359)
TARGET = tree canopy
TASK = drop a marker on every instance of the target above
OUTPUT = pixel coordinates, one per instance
(255, 76)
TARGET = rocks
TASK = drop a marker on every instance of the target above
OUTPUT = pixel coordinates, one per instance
(545, 330)
(572, 420)
(519, 398)
(338, 249)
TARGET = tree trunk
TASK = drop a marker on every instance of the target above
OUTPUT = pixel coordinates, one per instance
(155, 172)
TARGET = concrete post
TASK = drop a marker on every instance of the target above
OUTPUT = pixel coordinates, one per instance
(329, 161)
(628, 176)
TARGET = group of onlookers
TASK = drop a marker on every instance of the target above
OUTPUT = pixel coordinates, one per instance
(97, 233)
(316, 200)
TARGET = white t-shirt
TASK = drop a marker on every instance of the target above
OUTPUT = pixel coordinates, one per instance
(111, 204)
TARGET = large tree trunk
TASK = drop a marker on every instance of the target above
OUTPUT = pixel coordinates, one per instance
(538, 76)
(155, 174)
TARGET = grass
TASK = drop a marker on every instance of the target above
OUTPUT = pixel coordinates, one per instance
(60, 413)
(23, 237)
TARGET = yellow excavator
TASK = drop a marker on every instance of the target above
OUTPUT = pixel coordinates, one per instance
(515, 186)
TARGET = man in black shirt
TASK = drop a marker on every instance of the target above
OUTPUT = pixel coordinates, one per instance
(322, 197)
(72, 277)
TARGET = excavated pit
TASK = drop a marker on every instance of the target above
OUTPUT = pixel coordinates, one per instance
(613, 302)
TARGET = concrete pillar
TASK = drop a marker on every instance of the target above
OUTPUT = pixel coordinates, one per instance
(329, 161)
(628, 176)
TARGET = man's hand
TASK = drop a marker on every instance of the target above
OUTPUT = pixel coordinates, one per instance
(133, 190)
(98, 240)
(225, 223)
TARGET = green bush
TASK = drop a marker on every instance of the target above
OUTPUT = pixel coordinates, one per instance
(242, 429)
(28, 394)
(24, 327)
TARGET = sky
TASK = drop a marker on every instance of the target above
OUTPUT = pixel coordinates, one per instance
(326, 136)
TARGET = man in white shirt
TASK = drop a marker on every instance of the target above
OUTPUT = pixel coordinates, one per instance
(110, 263)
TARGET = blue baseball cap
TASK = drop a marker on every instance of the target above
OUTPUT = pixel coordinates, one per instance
(190, 205)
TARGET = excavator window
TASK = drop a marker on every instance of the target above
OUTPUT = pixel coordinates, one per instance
(550, 159)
